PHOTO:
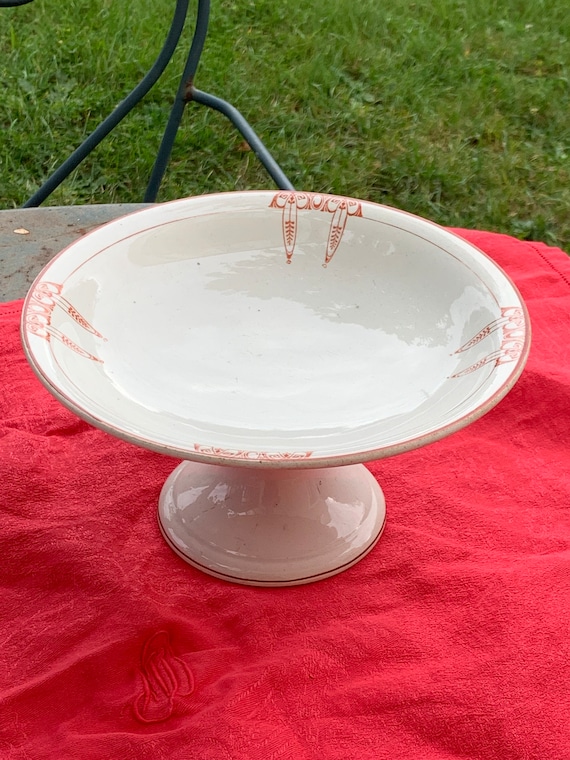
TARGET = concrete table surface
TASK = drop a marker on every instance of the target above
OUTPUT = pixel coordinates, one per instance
(30, 237)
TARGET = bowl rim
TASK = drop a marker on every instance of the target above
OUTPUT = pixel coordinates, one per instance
(213, 455)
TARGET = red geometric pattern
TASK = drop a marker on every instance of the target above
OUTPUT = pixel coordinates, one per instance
(291, 202)
(43, 300)
(511, 322)
(254, 456)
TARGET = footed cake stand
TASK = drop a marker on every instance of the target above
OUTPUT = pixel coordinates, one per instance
(275, 341)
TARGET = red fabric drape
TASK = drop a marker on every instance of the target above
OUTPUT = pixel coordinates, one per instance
(450, 641)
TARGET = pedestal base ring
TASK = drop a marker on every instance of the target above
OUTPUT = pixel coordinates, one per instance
(271, 527)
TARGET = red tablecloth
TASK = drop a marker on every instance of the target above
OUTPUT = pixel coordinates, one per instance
(450, 641)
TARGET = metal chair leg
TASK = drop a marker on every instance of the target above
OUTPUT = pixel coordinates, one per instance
(186, 93)
(126, 105)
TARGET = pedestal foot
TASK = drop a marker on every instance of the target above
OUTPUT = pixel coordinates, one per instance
(271, 527)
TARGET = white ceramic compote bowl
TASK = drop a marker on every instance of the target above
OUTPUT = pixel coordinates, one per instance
(274, 341)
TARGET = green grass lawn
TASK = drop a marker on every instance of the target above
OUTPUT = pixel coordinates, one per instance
(457, 110)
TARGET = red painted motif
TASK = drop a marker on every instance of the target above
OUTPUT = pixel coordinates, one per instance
(43, 300)
(511, 322)
(254, 456)
(292, 202)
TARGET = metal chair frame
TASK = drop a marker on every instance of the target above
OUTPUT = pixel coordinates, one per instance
(186, 93)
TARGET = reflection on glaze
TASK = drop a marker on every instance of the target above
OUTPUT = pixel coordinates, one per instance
(219, 350)
(273, 526)
(244, 343)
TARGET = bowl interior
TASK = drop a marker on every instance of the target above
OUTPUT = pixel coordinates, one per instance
(268, 327)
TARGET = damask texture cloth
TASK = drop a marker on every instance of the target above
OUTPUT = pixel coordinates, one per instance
(449, 641)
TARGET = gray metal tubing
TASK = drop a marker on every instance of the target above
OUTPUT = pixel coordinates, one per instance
(126, 105)
(177, 111)
(254, 142)
(187, 92)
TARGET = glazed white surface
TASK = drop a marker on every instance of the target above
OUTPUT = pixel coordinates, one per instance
(213, 342)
